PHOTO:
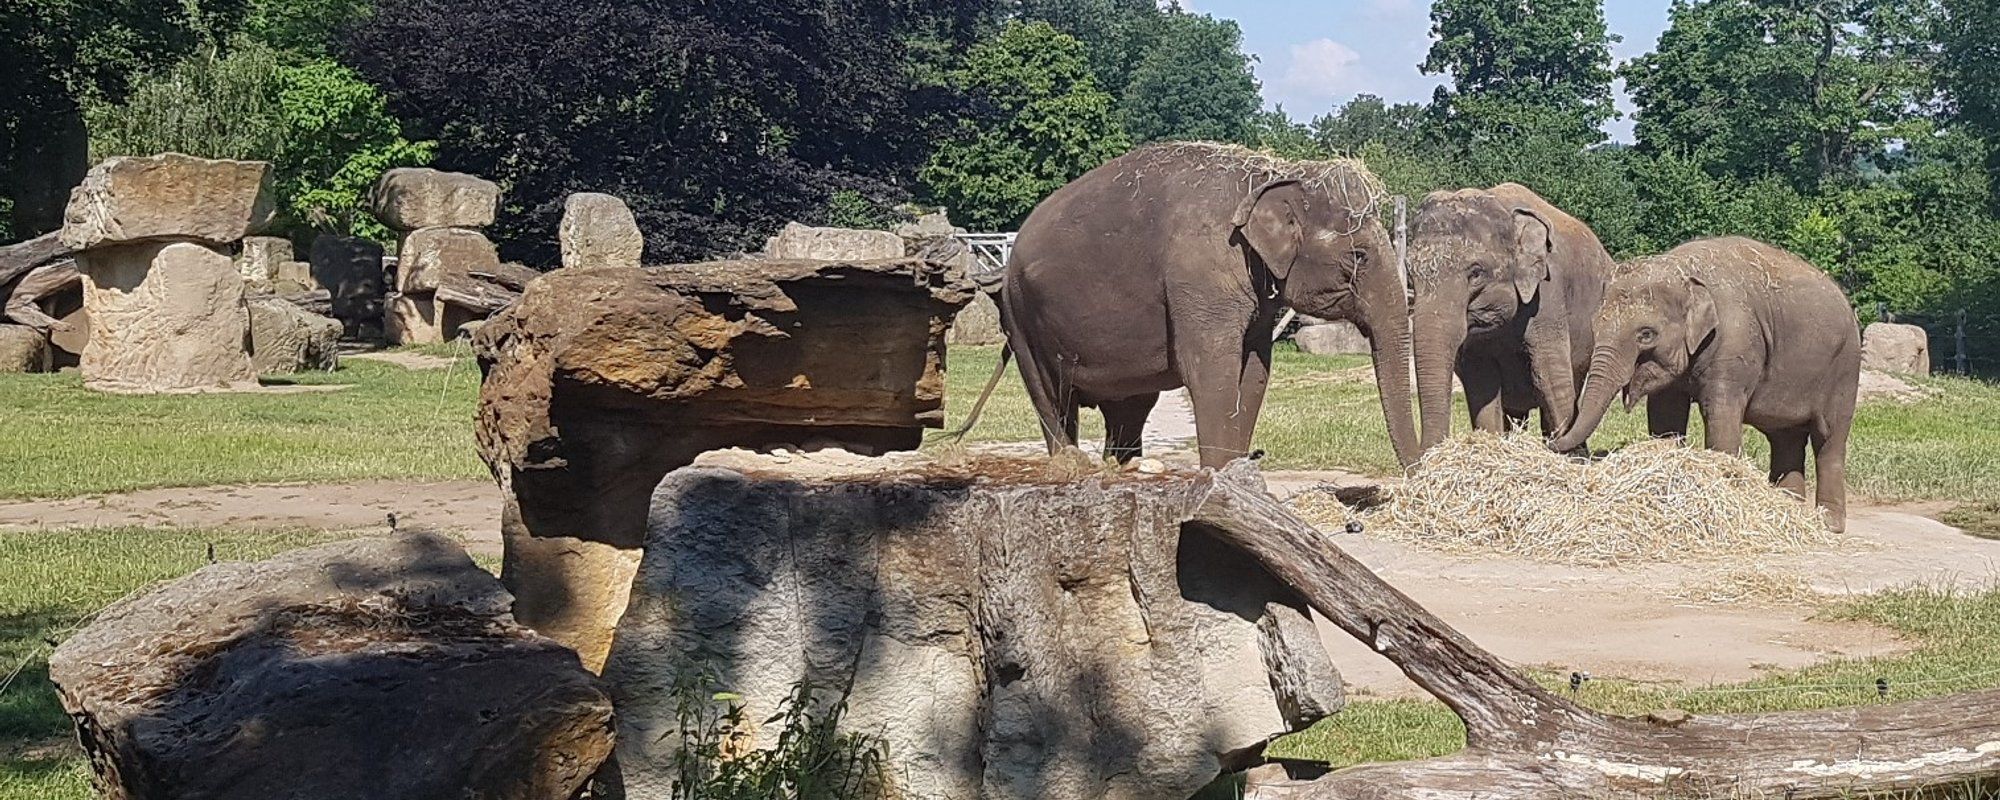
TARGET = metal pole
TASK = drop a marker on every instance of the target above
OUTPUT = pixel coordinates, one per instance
(1961, 358)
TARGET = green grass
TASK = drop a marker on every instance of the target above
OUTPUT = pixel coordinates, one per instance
(1978, 519)
(1952, 636)
(58, 439)
(51, 583)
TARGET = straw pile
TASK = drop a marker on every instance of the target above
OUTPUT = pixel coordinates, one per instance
(1652, 501)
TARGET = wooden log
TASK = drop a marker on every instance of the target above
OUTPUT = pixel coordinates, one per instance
(475, 295)
(317, 301)
(1523, 741)
(20, 258)
(509, 275)
(22, 300)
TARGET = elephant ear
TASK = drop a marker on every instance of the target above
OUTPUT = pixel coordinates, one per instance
(1700, 314)
(1534, 241)
(1272, 221)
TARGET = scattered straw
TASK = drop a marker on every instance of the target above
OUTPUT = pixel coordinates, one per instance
(1749, 585)
(1653, 501)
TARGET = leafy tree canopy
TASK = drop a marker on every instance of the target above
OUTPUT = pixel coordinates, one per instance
(1549, 59)
(1195, 83)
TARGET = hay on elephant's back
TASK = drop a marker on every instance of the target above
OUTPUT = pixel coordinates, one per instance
(1656, 500)
(1348, 179)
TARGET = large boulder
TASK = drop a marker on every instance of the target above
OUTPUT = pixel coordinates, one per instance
(371, 669)
(1898, 349)
(999, 634)
(131, 199)
(164, 318)
(428, 255)
(598, 230)
(23, 349)
(833, 244)
(978, 323)
(411, 198)
(350, 268)
(1331, 338)
(259, 257)
(601, 380)
(285, 338)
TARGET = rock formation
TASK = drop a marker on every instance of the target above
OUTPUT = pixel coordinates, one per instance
(41, 291)
(933, 237)
(165, 302)
(1001, 634)
(598, 230)
(1894, 348)
(447, 272)
(601, 380)
(370, 669)
(285, 338)
(833, 244)
(23, 349)
(1338, 337)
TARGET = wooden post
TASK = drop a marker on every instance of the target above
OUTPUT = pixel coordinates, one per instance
(1403, 242)
(1961, 358)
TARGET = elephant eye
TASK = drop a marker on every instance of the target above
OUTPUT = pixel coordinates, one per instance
(1648, 335)
(1478, 272)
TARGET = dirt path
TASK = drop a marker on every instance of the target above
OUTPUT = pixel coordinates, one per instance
(1632, 622)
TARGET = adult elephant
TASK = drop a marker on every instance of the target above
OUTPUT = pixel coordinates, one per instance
(1752, 334)
(1506, 285)
(1169, 266)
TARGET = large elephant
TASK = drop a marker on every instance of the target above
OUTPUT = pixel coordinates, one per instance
(1752, 334)
(1169, 266)
(1506, 286)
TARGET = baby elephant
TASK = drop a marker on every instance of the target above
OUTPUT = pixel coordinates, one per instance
(1751, 333)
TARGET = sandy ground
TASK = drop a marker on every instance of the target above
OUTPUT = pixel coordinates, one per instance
(1631, 622)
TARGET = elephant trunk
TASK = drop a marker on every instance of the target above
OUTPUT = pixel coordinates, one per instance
(1610, 370)
(1440, 331)
(1386, 312)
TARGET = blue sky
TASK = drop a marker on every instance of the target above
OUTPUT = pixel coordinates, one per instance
(1313, 56)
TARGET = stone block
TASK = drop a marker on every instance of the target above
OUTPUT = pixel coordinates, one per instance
(131, 199)
(164, 317)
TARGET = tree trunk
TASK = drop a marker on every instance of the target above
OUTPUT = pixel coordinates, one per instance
(1523, 741)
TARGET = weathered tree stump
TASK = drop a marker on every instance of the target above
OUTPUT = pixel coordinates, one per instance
(1523, 741)
(1004, 633)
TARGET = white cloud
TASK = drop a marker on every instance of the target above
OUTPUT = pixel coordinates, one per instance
(1321, 70)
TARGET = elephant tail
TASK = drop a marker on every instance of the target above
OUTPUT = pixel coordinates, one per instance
(972, 417)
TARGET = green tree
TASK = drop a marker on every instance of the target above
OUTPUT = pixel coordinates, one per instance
(1969, 32)
(1802, 90)
(1195, 83)
(339, 139)
(1369, 119)
(1548, 61)
(1049, 124)
(303, 29)
(1116, 34)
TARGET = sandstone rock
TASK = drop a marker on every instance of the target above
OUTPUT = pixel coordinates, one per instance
(131, 199)
(408, 199)
(833, 244)
(164, 318)
(370, 669)
(1894, 348)
(350, 268)
(23, 349)
(1004, 637)
(410, 319)
(601, 380)
(1331, 338)
(978, 323)
(293, 277)
(73, 336)
(285, 338)
(932, 225)
(428, 255)
(598, 230)
(261, 255)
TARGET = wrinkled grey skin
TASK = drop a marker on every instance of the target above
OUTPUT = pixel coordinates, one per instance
(1163, 269)
(1506, 286)
(1752, 334)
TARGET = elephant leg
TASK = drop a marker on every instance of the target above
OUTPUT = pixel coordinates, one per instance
(1788, 460)
(1483, 397)
(1667, 413)
(1227, 391)
(1830, 461)
(1125, 425)
(1722, 423)
(1055, 402)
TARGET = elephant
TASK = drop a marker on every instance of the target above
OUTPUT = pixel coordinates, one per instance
(1169, 266)
(1506, 286)
(1752, 334)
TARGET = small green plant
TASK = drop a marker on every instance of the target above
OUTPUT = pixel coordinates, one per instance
(810, 759)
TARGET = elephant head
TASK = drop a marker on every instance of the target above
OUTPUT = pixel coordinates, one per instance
(1476, 261)
(1653, 324)
(1328, 256)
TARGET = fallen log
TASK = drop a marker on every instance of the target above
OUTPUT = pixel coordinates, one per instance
(19, 258)
(475, 295)
(1523, 741)
(23, 299)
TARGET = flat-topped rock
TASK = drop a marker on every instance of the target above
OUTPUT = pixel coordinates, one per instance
(131, 199)
(410, 198)
(833, 244)
(369, 669)
(428, 255)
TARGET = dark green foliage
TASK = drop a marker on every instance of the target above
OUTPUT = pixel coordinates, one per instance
(1195, 83)
(1047, 123)
(303, 28)
(1549, 60)
(1116, 34)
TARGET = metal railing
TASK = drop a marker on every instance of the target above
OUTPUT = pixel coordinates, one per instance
(990, 252)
